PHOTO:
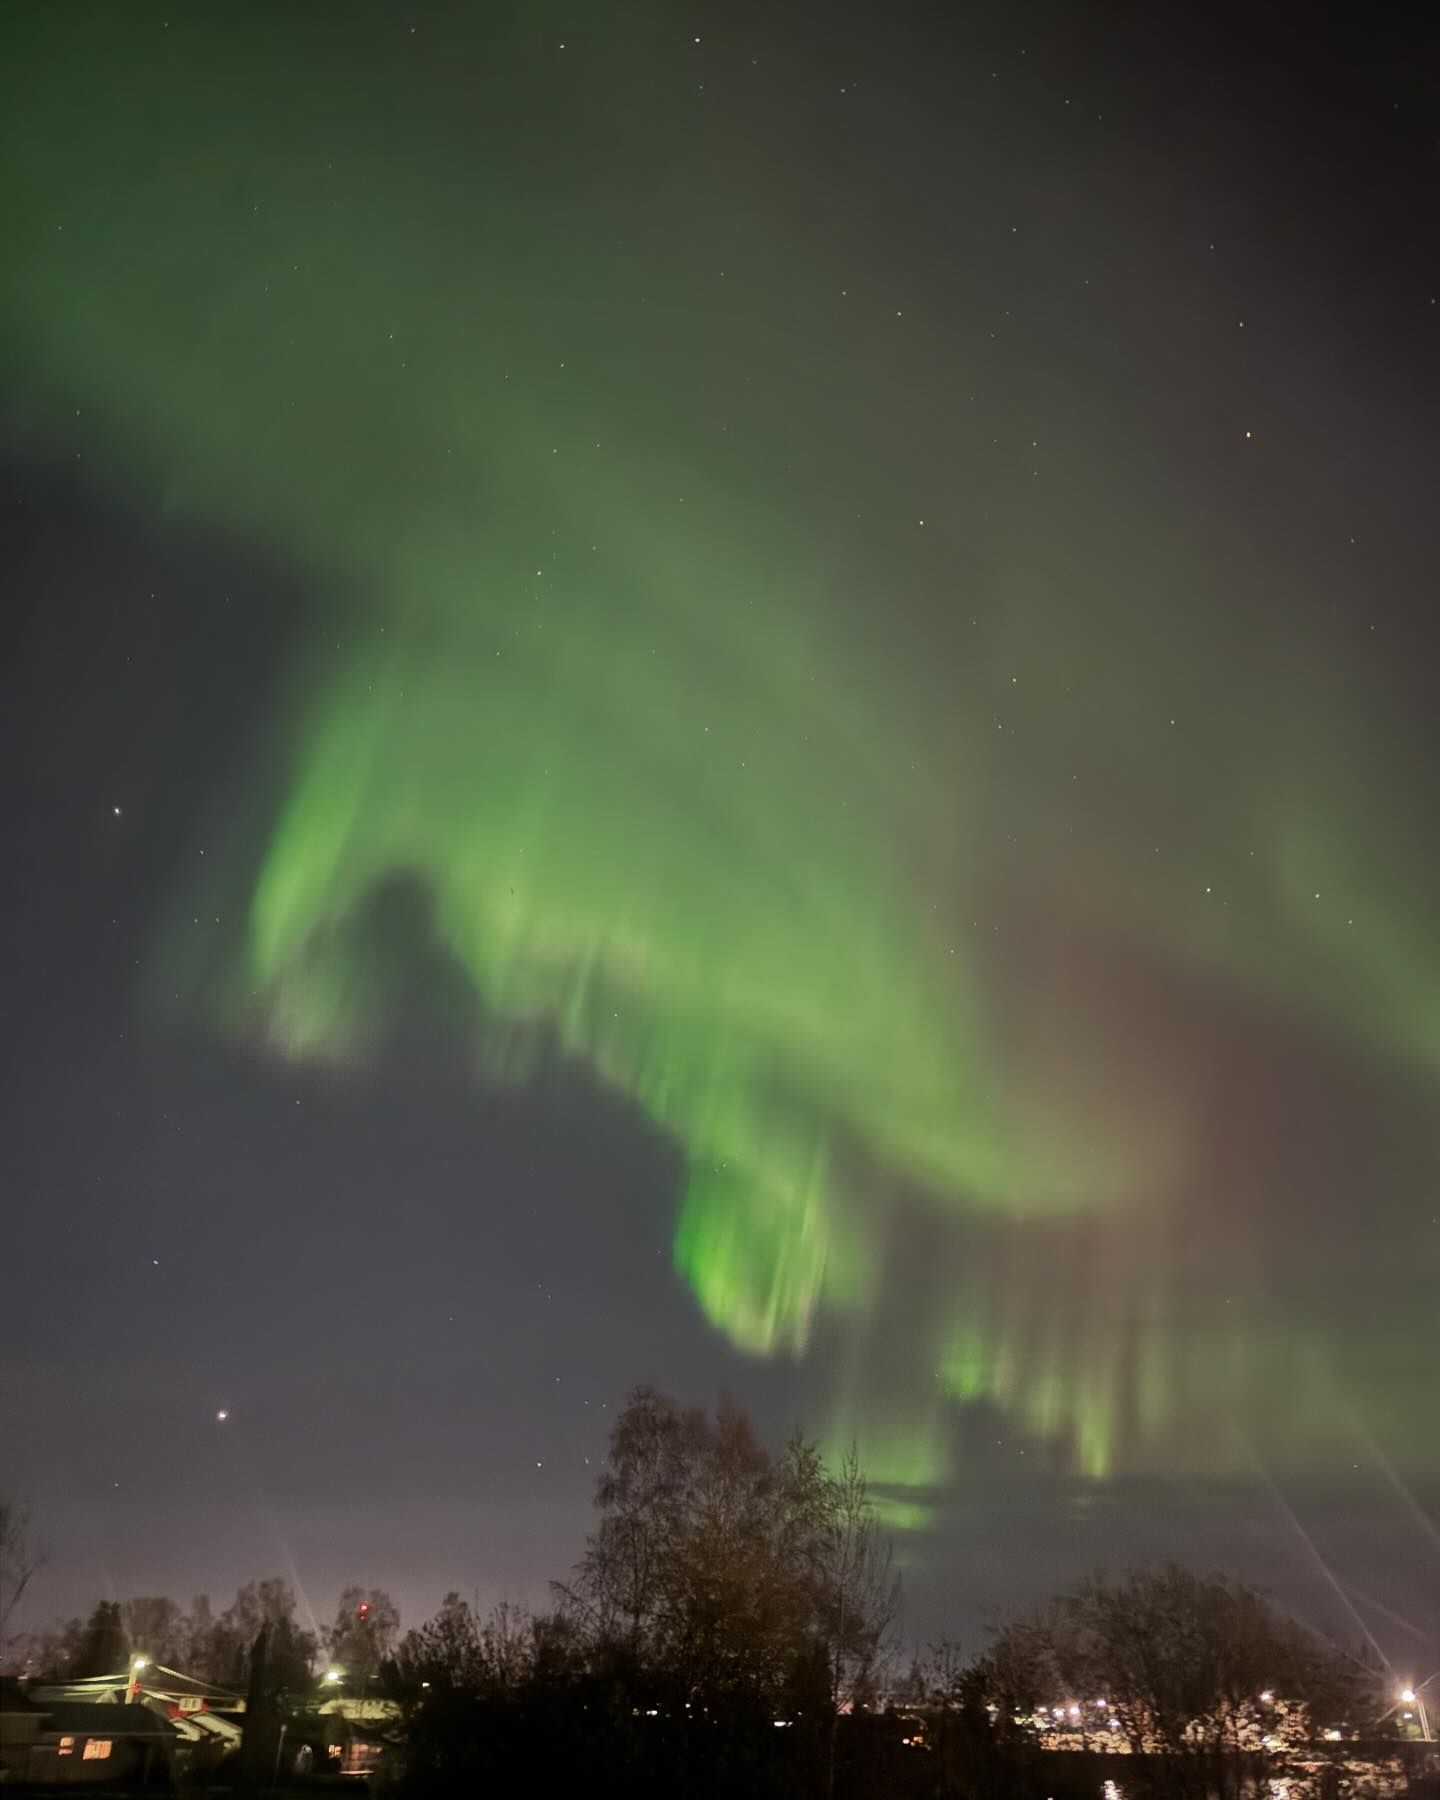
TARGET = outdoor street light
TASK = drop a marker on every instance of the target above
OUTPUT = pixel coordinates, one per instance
(1416, 1697)
(333, 1675)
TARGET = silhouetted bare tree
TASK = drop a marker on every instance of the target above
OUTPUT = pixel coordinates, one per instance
(367, 1623)
(1201, 1676)
(22, 1557)
(730, 1570)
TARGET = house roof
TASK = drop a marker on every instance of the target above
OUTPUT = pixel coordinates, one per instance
(154, 1678)
(105, 1719)
(157, 1679)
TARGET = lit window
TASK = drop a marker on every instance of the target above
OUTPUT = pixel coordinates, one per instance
(96, 1750)
(67, 1746)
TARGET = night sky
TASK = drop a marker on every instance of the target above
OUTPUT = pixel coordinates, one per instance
(733, 696)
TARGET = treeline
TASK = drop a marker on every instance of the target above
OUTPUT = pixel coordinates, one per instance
(731, 1627)
(1165, 1683)
(728, 1605)
(216, 1648)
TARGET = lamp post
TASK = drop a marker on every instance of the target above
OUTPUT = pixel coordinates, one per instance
(1415, 1697)
(132, 1682)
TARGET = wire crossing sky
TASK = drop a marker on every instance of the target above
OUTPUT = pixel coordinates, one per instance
(863, 636)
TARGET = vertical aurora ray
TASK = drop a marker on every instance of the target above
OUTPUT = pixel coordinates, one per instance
(710, 914)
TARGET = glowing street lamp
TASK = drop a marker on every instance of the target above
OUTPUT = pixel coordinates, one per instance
(334, 1675)
(1410, 1696)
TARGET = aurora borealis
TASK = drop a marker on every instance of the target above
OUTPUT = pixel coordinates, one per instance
(865, 607)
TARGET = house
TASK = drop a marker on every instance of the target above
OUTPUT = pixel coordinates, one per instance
(354, 1734)
(208, 1720)
(48, 1742)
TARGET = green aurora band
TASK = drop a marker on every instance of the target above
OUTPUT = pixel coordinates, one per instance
(688, 796)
